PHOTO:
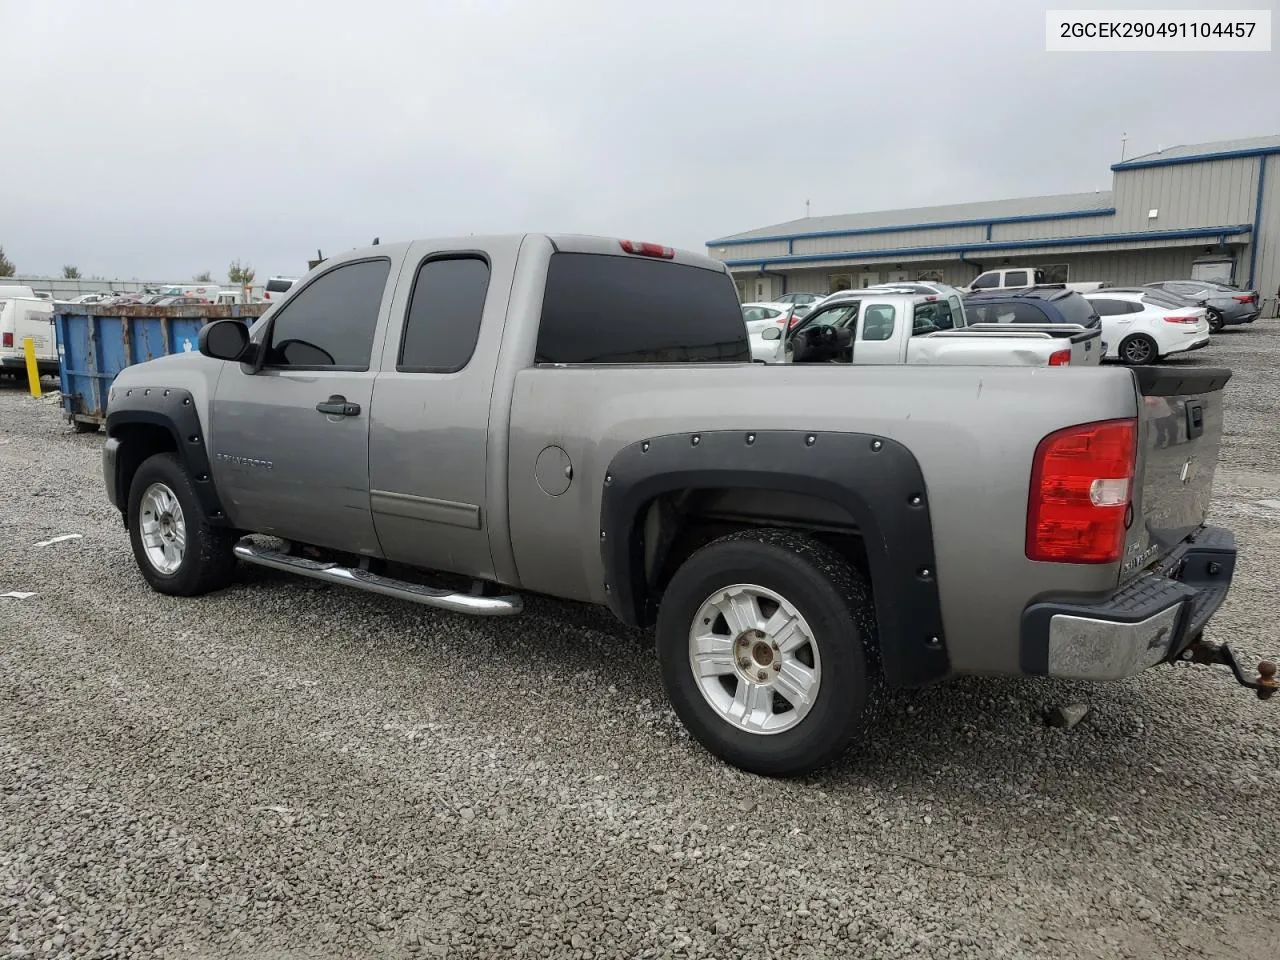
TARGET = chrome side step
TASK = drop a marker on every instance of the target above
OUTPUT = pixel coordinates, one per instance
(470, 603)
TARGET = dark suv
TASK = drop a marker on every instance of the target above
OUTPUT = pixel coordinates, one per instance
(1043, 304)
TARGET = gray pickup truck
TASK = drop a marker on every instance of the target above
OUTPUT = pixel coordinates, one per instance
(457, 422)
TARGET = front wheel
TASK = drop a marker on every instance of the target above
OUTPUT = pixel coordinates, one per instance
(762, 643)
(177, 549)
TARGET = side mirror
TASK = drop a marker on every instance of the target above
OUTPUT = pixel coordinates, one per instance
(224, 339)
(771, 333)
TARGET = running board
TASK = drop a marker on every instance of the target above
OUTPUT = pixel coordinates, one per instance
(470, 603)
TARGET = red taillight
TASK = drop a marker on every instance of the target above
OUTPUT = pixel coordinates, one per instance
(6, 340)
(1177, 319)
(1060, 358)
(1245, 298)
(794, 321)
(1081, 484)
(647, 249)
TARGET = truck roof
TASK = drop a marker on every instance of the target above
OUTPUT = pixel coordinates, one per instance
(561, 242)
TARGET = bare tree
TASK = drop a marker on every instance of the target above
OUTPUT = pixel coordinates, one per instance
(7, 269)
(203, 277)
(70, 273)
(241, 276)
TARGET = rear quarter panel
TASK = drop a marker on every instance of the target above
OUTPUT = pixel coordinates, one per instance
(973, 430)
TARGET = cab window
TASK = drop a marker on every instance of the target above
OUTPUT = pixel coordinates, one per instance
(877, 323)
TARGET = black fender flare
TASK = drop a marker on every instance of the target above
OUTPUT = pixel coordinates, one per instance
(876, 480)
(172, 409)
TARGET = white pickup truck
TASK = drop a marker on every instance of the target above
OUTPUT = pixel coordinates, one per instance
(1015, 278)
(889, 328)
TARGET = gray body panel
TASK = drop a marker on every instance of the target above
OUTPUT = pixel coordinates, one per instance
(973, 431)
(498, 471)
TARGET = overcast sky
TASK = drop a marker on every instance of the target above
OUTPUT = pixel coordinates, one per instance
(157, 139)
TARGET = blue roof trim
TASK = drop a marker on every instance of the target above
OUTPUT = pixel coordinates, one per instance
(1138, 163)
(980, 247)
(936, 225)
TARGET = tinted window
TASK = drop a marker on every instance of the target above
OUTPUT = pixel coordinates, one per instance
(986, 281)
(1108, 308)
(276, 285)
(1015, 278)
(329, 323)
(1076, 309)
(877, 322)
(932, 316)
(1005, 313)
(443, 320)
(599, 308)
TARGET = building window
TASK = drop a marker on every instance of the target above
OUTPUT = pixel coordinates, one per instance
(839, 281)
(1056, 272)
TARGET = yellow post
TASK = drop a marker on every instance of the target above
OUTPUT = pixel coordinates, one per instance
(33, 371)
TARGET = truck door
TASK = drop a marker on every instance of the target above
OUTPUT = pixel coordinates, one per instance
(880, 336)
(290, 443)
(430, 432)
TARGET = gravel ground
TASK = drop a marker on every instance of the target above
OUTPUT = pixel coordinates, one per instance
(290, 770)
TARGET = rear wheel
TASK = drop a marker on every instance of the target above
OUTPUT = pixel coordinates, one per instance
(762, 643)
(177, 549)
(1215, 321)
(1139, 349)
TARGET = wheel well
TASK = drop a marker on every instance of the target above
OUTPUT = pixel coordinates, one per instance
(138, 441)
(671, 527)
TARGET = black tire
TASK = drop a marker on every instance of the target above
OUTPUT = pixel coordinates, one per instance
(834, 600)
(208, 562)
(1138, 350)
(1215, 321)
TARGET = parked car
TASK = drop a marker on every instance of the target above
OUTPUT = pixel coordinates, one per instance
(1015, 278)
(1049, 304)
(577, 416)
(168, 301)
(799, 299)
(1225, 305)
(879, 327)
(22, 315)
(1143, 325)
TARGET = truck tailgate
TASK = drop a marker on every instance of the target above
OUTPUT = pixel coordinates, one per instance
(1180, 431)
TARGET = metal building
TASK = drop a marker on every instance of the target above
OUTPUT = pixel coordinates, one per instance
(1192, 211)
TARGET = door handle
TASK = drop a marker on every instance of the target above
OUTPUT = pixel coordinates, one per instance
(337, 406)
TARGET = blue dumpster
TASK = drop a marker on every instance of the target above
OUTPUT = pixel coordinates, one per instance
(96, 342)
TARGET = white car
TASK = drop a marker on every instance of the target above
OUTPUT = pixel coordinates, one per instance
(758, 316)
(1141, 325)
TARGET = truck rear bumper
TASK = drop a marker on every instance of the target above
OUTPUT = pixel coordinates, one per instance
(1149, 620)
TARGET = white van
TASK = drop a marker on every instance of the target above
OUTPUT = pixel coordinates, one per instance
(22, 315)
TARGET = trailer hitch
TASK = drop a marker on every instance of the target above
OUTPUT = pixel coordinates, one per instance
(1213, 654)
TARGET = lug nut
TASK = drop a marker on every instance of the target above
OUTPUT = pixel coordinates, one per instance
(777, 665)
(743, 642)
(744, 663)
(763, 675)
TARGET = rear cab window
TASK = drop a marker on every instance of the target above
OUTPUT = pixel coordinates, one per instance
(1016, 278)
(603, 308)
(276, 285)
